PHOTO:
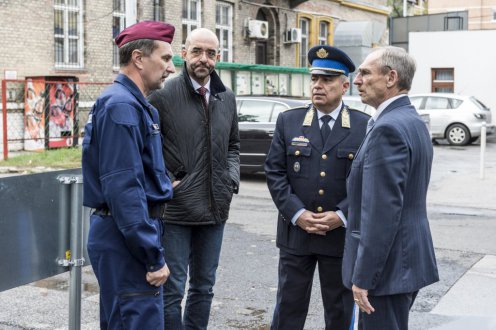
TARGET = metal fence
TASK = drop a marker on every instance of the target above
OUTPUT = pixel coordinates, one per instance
(41, 113)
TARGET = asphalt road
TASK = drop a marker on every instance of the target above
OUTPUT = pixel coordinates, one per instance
(462, 216)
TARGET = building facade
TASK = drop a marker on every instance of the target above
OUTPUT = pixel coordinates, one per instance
(75, 37)
(481, 13)
(447, 70)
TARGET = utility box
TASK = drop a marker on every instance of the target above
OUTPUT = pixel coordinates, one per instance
(50, 112)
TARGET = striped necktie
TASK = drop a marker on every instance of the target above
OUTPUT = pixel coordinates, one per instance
(203, 92)
(370, 124)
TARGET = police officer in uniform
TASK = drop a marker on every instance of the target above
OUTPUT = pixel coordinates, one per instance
(126, 181)
(311, 152)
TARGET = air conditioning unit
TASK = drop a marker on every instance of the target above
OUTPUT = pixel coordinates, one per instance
(258, 29)
(293, 35)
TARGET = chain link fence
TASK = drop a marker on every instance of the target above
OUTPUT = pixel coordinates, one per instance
(41, 113)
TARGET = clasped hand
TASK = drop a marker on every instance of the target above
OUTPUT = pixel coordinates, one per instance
(319, 223)
(158, 277)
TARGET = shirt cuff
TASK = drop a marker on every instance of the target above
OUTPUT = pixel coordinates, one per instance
(158, 266)
(296, 216)
(343, 218)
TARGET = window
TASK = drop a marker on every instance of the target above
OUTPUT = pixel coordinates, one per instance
(118, 24)
(417, 102)
(158, 10)
(315, 30)
(255, 111)
(223, 29)
(191, 17)
(68, 33)
(454, 23)
(323, 33)
(443, 80)
(278, 108)
(494, 14)
(437, 103)
(305, 41)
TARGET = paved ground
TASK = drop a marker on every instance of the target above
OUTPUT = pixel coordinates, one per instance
(462, 211)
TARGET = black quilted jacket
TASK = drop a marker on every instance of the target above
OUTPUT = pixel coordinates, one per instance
(201, 150)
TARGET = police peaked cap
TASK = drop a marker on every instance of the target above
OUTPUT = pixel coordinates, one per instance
(331, 61)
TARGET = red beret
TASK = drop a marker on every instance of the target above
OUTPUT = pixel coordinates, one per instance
(146, 30)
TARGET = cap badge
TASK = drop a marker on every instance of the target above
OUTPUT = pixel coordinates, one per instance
(322, 53)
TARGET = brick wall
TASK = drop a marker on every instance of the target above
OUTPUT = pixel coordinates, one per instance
(27, 43)
(26, 37)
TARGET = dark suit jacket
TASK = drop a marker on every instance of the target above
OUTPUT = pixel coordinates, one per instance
(388, 246)
(304, 172)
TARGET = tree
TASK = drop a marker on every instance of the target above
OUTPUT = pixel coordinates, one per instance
(396, 8)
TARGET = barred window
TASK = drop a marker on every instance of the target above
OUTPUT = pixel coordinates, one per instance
(158, 10)
(68, 34)
(305, 41)
(118, 24)
(191, 17)
(223, 29)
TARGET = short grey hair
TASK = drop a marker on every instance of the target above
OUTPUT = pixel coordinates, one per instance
(396, 58)
(147, 46)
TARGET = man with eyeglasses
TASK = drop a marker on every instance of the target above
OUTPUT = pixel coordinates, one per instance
(201, 149)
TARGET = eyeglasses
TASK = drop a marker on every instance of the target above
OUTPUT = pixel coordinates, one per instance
(210, 53)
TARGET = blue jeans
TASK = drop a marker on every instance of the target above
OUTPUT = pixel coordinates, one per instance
(199, 248)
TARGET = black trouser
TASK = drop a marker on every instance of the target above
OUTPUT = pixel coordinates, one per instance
(295, 286)
(391, 312)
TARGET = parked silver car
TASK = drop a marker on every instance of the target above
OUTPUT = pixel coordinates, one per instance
(457, 118)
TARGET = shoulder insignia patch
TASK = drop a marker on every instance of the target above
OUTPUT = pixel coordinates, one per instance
(309, 117)
(345, 118)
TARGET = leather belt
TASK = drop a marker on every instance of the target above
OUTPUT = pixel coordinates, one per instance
(154, 211)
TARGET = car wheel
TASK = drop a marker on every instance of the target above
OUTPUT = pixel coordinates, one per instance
(458, 135)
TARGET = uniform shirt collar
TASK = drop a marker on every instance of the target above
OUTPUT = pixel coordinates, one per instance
(334, 113)
(132, 87)
(196, 85)
(384, 105)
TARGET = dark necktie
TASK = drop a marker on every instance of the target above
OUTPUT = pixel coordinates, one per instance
(325, 130)
(203, 92)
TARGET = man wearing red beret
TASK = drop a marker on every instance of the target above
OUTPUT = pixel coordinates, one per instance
(126, 182)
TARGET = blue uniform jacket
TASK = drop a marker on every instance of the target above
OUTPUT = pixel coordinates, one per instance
(123, 166)
(389, 247)
(304, 172)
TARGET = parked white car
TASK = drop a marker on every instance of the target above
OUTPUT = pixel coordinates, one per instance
(457, 118)
(355, 102)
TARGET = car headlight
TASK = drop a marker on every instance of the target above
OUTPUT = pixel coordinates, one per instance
(480, 115)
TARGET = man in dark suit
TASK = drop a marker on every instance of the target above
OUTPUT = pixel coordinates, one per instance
(389, 253)
(311, 152)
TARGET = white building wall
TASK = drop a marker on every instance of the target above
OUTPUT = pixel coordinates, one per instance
(471, 53)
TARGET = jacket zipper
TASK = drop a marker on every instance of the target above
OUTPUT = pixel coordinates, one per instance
(209, 158)
(136, 294)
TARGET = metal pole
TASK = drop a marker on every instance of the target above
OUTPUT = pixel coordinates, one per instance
(483, 149)
(77, 253)
(404, 8)
(75, 260)
(4, 117)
